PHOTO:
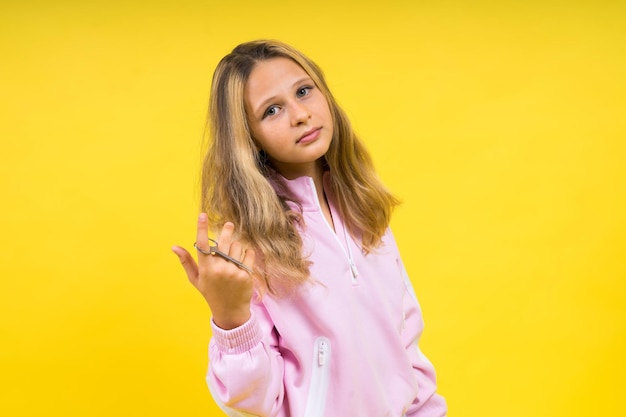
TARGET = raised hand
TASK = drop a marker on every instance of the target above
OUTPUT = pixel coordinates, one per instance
(226, 286)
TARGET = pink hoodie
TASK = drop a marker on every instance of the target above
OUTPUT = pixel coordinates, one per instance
(344, 346)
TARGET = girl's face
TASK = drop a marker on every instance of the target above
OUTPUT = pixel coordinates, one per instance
(288, 116)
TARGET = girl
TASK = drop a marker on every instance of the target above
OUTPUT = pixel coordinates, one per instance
(313, 313)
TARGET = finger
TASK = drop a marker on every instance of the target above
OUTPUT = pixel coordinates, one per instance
(202, 234)
(225, 238)
(236, 250)
(249, 258)
(189, 265)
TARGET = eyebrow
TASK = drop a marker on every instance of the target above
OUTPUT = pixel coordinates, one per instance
(260, 108)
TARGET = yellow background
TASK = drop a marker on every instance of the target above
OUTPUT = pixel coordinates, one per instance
(501, 125)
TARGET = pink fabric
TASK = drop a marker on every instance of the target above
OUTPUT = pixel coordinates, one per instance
(371, 323)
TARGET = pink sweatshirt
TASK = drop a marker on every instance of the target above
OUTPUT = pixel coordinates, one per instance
(344, 346)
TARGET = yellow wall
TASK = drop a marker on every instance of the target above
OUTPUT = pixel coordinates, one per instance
(500, 125)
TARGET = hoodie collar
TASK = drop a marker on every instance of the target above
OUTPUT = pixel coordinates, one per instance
(301, 191)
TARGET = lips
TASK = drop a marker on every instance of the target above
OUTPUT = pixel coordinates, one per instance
(310, 135)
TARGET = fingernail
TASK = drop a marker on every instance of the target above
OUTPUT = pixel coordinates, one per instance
(202, 217)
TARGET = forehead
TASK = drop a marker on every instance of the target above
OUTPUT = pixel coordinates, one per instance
(271, 77)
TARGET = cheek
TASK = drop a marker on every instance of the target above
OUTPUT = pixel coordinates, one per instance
(266, 139)
(325, 109)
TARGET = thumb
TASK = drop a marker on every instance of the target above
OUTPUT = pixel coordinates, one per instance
(188, 263)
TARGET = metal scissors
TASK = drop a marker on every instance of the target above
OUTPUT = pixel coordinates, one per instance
(213, 250)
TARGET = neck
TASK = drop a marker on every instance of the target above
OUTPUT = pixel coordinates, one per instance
(314, 170)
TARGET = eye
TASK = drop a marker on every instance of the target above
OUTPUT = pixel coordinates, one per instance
(303, 91)
(271, 110)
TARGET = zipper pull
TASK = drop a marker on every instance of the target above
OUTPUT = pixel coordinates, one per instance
(355, 272)
(321, 355)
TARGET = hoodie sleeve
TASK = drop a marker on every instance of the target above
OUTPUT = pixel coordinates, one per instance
(246, 369)
(428, 402)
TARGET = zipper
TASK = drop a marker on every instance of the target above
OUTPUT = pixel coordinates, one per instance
(320, 377)
(346, 250)
(355, 272)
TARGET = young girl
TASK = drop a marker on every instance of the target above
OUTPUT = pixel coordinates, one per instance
(313, 313)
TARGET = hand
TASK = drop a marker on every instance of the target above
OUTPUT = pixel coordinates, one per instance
(226, 287)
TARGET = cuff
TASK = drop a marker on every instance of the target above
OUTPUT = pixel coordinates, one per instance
(238, 340)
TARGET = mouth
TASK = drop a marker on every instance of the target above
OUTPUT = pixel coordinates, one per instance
(310, 135)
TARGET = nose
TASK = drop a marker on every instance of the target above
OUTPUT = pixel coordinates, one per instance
(299, 113)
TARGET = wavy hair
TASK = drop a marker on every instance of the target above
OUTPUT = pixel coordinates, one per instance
(235, 174)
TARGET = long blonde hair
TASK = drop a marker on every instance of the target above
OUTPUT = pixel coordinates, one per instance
(235, 174)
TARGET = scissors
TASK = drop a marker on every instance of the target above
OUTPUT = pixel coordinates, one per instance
(213, 250)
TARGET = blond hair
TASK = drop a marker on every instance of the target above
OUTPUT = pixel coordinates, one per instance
(235, 185)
